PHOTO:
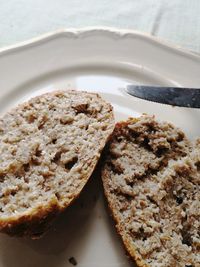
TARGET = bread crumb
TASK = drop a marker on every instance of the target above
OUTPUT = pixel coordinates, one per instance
(47, 156)
(151, 180)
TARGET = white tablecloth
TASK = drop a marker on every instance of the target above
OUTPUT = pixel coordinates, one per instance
(177, 21)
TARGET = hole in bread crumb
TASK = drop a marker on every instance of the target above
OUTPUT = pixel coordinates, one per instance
(13, 192)
(134, 134)
(197, 164)
(69, 165)
(161, 151)
(117, 169)
(187, 239)
(14, 153)
(54, 141)
(145, 144)
(2, 178)
(46, 187)
(144, 238)
(38, 153)
(119, 139)
(61, 182)
(140, 234)
(58, 196)
(131, 184)
(41, 125)
(42, 122)
(57, 156)
(128, 197)
(179, 200)
(26, 179)
(26, 167)
(151, 200)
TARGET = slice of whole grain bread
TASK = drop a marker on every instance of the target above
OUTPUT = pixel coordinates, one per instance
(49, 148)
(151, 178)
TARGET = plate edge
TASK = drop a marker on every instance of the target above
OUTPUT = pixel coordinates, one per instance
(85, 31)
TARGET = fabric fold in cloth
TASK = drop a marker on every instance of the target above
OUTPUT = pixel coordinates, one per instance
(177, 21)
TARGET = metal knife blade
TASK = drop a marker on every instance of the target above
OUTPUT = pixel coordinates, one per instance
(175, 96)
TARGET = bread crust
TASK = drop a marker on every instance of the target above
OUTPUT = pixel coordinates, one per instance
(35, 222)
(32, 224)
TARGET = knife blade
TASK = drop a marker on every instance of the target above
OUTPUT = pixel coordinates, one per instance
(175, 96)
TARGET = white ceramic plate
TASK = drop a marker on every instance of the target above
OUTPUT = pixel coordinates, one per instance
(105, 61)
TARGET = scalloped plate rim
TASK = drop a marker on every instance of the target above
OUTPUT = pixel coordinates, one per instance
(111, 31)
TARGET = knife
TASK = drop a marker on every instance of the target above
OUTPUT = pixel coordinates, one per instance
(175, 96)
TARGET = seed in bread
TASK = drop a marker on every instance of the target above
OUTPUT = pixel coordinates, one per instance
(151, 178)
(49, 147)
